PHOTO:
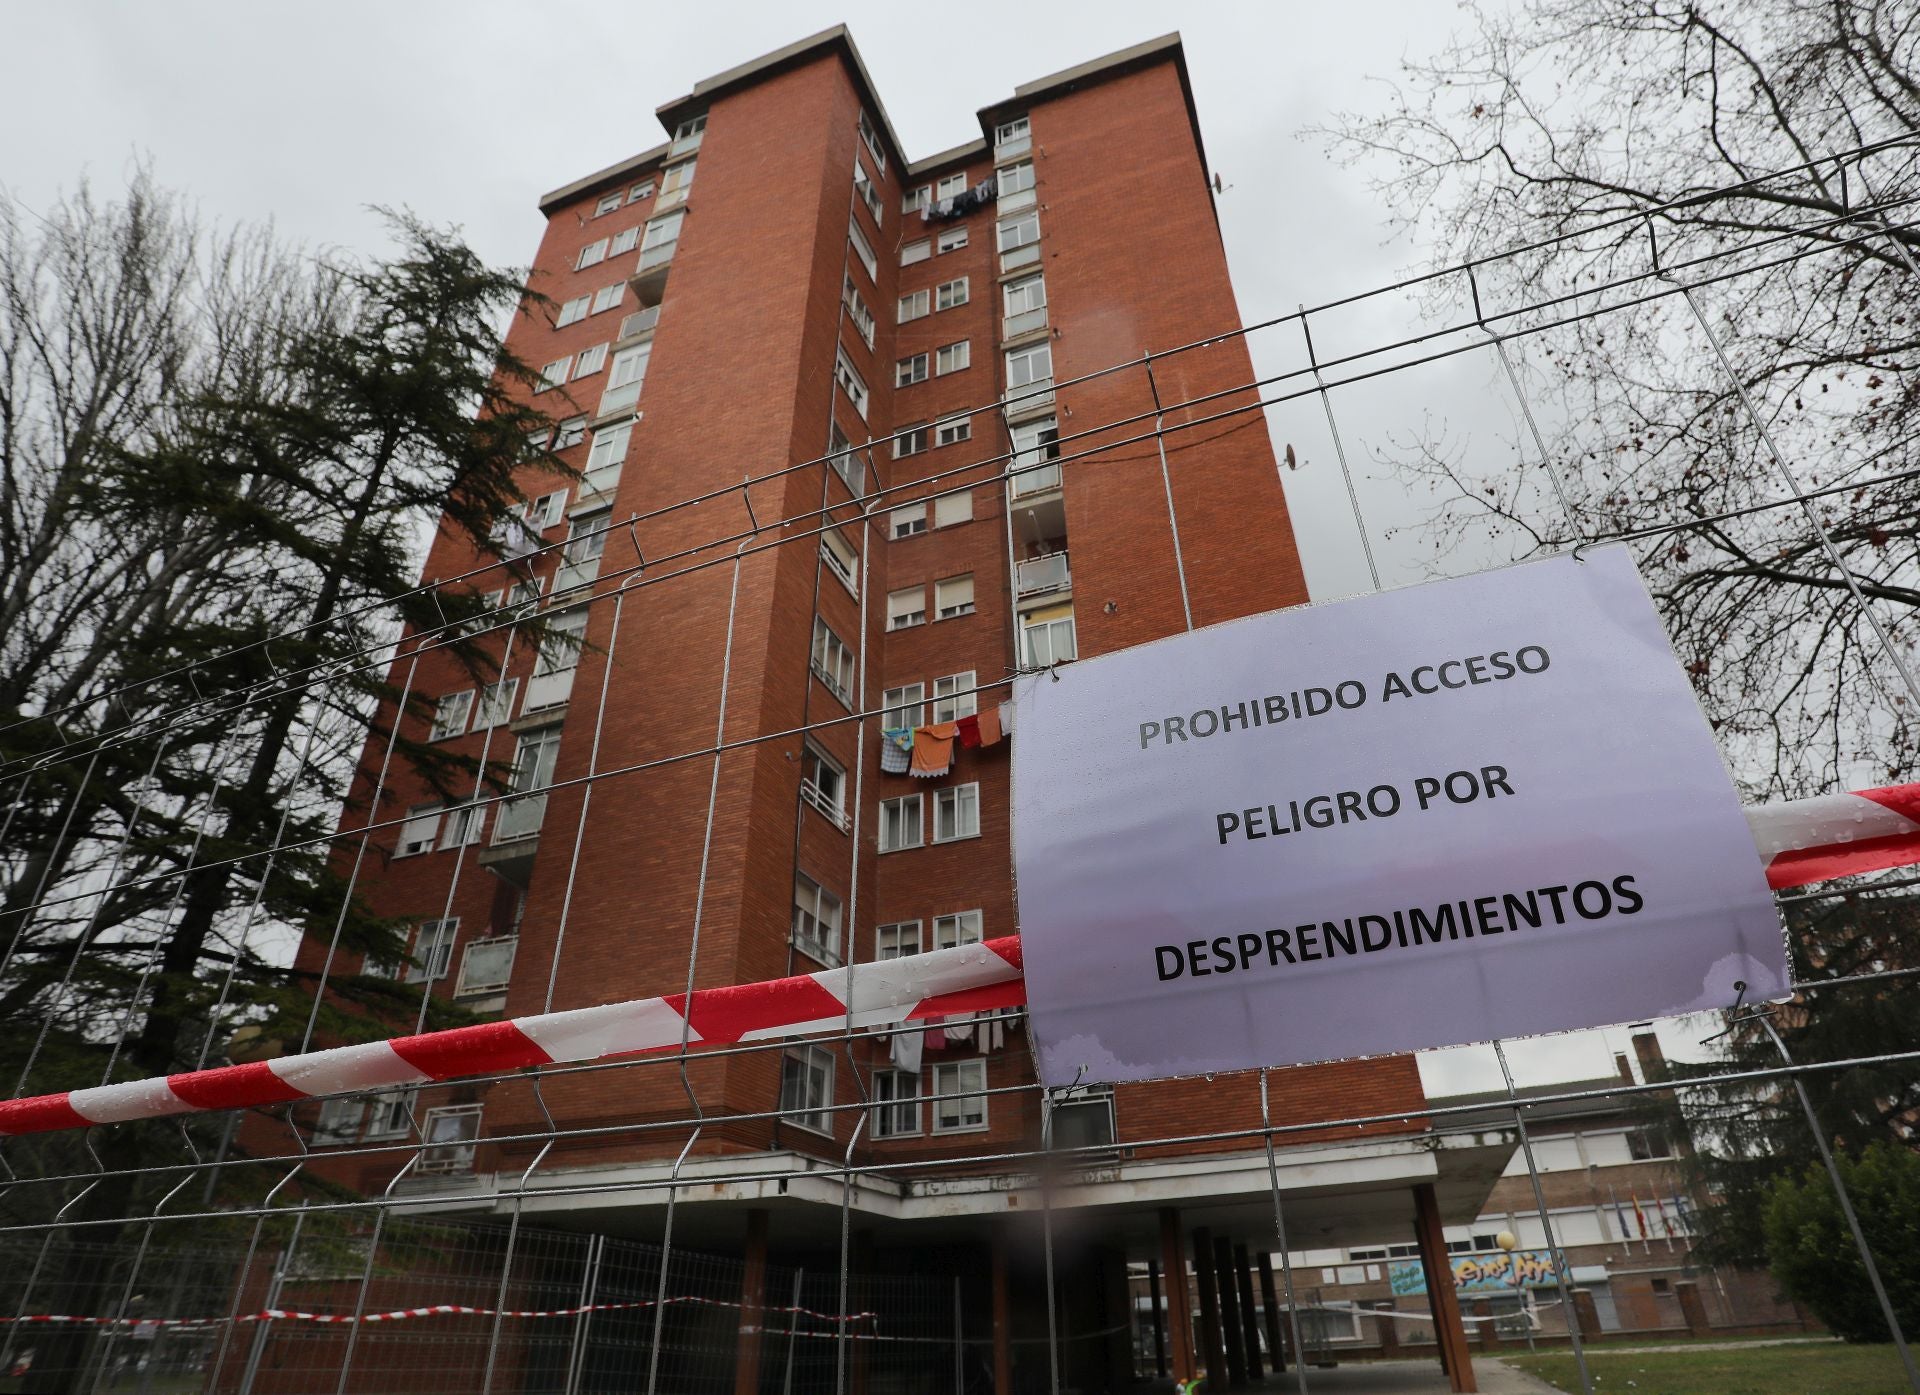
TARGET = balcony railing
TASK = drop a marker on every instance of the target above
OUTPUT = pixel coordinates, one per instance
(569, 576)
(548, 690)
(1016, 257)
(658, 255)
(520, 817)
(1012, 147)
(1034, 478)
(835, 814)
(618, 399)
(1029, 397)
(640, 322)
(1027, 321)
(1039, 575)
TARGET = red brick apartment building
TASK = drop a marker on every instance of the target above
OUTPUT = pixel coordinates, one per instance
(778, 283)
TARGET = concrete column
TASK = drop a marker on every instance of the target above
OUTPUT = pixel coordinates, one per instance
(1002, 1320)
(1484, 1331)
(1449, 1331)
(753, 1306)
(1691, 1308)
(1249, 1323)
(1586, 1314)
(1205, 1275)
(1173, 1262)
(1276, 1345)
(1230, 1312)
(1159, 1318)
(1389, 1336)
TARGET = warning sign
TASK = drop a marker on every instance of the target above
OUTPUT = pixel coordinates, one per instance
(1480, 808)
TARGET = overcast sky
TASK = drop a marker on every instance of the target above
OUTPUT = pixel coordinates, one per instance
(309, 116)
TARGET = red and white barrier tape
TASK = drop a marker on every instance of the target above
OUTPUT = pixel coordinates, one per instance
(430, 1311)
(1799, 841)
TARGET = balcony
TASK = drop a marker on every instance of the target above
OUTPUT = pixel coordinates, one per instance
(546, 690)
(571, 576)
(638, 323)
(1040, 576)
(688, 143)
(520, 817)
(1034, 477)
(619, 399)
(835, 814)
(1013, 147)
(597, 486)
(1026, 322)
(1028, 398)
(1019, 257)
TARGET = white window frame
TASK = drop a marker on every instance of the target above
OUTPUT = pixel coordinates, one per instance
(951, 240)
(959, 928)
(592, 254)
(833, 662)
(896, 1104)
(948, 603)
(450, 715)
(902, 824)
(495, 707)
(675, 180)
(570, 433)
(663, 230)
(951, 295)
(857, 309)
(958, 807)
(950, 186)
(587, 535)
(590, 361)
(967, 1080)
(547, 510)
(915, 368)
(915, 199)
(642, 190)
(910, 440)
(433, 939)
(907, 522)
(450, 1138)
(390, 1114)
(952, 432)
(915, 305)
(608, 297)
(420, 833)
(808, 1106)
(954, 696)
(870, 134)
(868, 193)
(465, 823)
(905, 706)
(917, 251)
(1021, 363)
(339, 1121)
(823, 783)
(624, 241)
(1017, 297)
(609, 446)
(907, 607)
(863, 249)
(851, 383)
(842, 559)
(1020, 128)
(1031, 625)
(628, 370)
(471, 984)
(553, 375)
(956, 357)
(1015, 233)
(817, 916)
(609, 203)
(578, 308)
(898, 940)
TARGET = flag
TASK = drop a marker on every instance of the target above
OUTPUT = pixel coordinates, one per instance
(1619, 1213)
(1638, 1215)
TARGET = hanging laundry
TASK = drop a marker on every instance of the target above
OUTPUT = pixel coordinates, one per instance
(935, 1037)
(1006, 719)
(968, 729)
(989, 727)
(933, 750)
(959, 1031)
(984, 190)
(992, 1034)
(896, 750)
(904, 1050)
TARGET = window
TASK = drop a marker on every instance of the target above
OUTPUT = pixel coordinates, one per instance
(576, 309)
(951, 294)
(845, 463)
(851, 383)
(841, 559)
(552, 375)
(623, 241)
(871, 136)
(960, 928)
(900, 823)
(533, 765)
(953, 357)
(956, 813)
(391, 1113)
(913, 200)
(675, 180)
(864, 251)
(816, 920)
(339, 1121)
(625, 378)
(915, 304)
(904, 523)
(609, 203)
(950, 433)
(954, 697)
(896, 941)
(591, 255)
(687, 135)
(450, 715)
(951, 185)
(916, 251)
(607, 297)
(910, 440)
(1644, 1145)
(496, 703)
(590, 361)
(903, 707)
(486, 966)
(419, 831)
(1028, 366)
(896, 1104)
(1019, 240)
(642, 190)
(661, 237)
(1012, 137)
(1014, 185)
(958, 1107)
(546, 511)
(587, 537)
(953, 597)
(452, 1133)
(857, 310)
(832, 662)
(609, 447)
(1024, 303)
(806, 1088)
(907, 607)
(863, 186)
(1046, 636)
(464, 823)
(952, 240)
(823, 784)
(571, 432)
(909, 371)
(432, 950)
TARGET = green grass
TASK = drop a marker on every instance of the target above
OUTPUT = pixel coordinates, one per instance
(1814, 1369)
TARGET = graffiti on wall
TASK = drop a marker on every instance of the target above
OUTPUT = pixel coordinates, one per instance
(1492, 1273)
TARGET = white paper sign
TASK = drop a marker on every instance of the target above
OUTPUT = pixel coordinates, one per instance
(1480, 808)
